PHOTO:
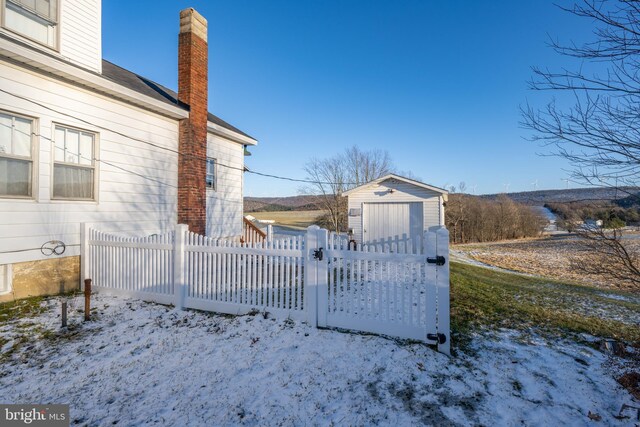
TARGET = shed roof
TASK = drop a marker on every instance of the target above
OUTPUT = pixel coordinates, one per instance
(398, 178)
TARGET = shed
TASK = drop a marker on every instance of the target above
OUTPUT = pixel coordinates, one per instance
(394, 209)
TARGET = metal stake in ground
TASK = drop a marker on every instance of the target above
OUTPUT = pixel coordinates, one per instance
(64, 314)
(87, 299)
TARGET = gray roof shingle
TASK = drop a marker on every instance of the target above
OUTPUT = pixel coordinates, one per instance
(154, 90)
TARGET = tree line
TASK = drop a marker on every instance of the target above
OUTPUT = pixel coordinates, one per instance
(472, 219)
(612, 216)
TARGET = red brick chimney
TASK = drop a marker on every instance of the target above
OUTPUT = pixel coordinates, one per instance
(193, 90)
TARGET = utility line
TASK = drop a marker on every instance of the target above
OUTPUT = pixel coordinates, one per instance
(189, 155)
(79, 155)
(48, 248)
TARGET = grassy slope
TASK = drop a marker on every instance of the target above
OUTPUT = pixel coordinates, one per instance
(13, 310)
(19, 311)
(290, 219)
(482, 298)
(25, 332)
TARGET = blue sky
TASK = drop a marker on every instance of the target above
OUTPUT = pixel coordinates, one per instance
(436, 83)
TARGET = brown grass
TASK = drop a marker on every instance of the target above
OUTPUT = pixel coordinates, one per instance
(548, 257)
(291, 219)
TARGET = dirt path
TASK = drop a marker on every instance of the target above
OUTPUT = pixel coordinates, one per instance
(464, 257)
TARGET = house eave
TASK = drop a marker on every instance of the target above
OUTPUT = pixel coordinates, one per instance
(229, 134)
(47, 64)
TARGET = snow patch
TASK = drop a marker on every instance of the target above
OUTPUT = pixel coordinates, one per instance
(140, 363)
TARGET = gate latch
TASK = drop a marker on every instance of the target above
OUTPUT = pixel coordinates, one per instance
(317, 254)
(439, 260)
(440, 338)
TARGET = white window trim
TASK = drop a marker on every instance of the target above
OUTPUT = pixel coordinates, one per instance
(213, 187)
(56, 48)
(33, 159)
(8, 278)
(94, 165)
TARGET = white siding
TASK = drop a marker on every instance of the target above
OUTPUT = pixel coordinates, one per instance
(224, 205)
(81, 33)
(126, 202)
(78, 35)
(402, 192)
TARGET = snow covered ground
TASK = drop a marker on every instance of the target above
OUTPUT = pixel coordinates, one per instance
(139, 364)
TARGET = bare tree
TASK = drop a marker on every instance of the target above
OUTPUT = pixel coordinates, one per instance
(607, 254)
(456, 213)
(600, 134)
(329, 177)
(334, 175)
(364, 166)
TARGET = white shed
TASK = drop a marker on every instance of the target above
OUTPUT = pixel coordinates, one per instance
(394, 209)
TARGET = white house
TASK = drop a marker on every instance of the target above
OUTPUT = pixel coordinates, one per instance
(394, 209)
(84, 140)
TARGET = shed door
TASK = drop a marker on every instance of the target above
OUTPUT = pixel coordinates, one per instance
(392, 222)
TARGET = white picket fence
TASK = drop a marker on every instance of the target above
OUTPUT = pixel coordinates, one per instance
(318, 277)
(389, 289)
(194, 271)
(231, 277)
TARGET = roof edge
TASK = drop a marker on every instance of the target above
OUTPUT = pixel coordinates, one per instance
(400, 178)
(29, 57)
(24, 55)
(229, 134)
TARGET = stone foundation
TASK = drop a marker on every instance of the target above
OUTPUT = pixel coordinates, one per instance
(45, 277)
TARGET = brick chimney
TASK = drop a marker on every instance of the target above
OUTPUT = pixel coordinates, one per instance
(193, 90)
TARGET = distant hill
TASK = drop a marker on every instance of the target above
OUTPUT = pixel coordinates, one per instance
(272, 204)
(534, 198)
(540, 197)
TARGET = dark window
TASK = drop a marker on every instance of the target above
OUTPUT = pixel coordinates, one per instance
(211, 174)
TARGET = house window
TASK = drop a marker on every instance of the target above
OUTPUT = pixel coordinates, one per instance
(16, 156)
(34, 19)
(74, 165)
(211, 174)
(5, 279)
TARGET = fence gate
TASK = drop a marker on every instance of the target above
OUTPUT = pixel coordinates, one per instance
(398, 289)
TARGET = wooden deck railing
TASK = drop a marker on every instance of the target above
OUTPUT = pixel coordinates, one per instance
(251, 233)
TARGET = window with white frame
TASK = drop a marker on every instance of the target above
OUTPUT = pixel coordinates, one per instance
(5, 279)
(211, 174)
(34, 19)
(16, 156)
(74, 165)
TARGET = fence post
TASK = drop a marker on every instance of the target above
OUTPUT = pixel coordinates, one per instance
(179, 280)
(84, 253)
(442, 289)
(311, 276)
(431, 306)
(269, 232)
(322, 274)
